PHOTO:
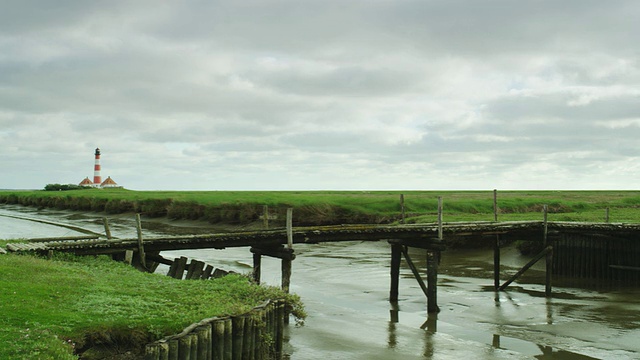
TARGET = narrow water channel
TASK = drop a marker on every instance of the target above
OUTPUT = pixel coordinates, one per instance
(345, 289)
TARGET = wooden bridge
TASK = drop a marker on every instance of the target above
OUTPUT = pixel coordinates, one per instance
(589, 250)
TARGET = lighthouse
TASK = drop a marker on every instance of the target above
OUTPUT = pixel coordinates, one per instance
(97, 179)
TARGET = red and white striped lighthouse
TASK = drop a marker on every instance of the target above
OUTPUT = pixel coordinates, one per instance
(97, 179)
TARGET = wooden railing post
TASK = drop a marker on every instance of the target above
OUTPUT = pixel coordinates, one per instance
(143, 260)
(549, 257)
(496, 245)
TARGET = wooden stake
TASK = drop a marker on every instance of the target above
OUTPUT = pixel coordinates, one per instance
(549, 258)
(143, 260)
(402, 215)
(257, 263)
(286, 275)
(265, 221)
(496, 245)
(439, 217)
(290, 228)
(433, 258)
(107, 231)
(606, 215)
(128, 256)
(396, 254)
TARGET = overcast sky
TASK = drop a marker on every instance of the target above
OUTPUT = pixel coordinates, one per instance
(320, 95)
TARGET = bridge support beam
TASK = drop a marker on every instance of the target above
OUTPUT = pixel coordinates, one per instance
(399, 248)
(433, 260)
(280, 252)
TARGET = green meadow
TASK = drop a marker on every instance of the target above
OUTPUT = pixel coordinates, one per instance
(336, 207)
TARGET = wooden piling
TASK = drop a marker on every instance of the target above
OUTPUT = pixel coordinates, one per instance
(228, 339)
(195, 270)
(128, 257)
(402, 209)
(174, 346)
(290, 228)
(194, 346)
(496, 245)
(164, 351)
(143, 260)
(203, 334)
(184, 348)
(107, 230)
(440, 230)
(549, 256)
(257, 267)
(248, 343)
(433, 258)
(181, 264)
(152, 352)
(207, 272)
(281, 315)
(265, 212)
(396, 257)
(238, 324)
(217, 340)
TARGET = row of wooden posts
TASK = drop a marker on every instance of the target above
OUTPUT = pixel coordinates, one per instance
(256, 335)
(181, 268)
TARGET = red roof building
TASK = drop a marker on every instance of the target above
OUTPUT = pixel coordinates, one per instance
(109, 183)
(86, 182)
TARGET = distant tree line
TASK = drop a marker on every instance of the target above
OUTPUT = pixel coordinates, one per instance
(64, 187)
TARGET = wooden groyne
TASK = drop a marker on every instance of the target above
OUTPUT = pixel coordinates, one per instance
(181, 268)
(255, 335)
(600, 257)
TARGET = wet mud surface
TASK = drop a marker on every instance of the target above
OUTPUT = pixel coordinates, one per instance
(345, 287)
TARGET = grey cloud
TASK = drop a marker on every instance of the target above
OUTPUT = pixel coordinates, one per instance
(397, 93)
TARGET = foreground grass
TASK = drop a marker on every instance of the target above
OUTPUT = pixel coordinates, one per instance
(50, 307)
(335, 207)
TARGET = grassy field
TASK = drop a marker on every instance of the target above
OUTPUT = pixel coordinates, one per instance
(335, 207)
(51, 307)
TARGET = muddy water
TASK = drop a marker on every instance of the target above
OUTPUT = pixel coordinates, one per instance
(345, 289)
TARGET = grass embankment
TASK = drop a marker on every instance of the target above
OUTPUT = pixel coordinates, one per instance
(340, 207)
(48, 308)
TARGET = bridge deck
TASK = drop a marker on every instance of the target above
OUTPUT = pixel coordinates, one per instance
(420, 234)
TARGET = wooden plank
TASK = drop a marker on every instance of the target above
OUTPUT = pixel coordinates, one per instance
(218, 273)
(172, 268)
(180, 267)
(207, 272)
(128, 256)
(195, 270)
(3, 251)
